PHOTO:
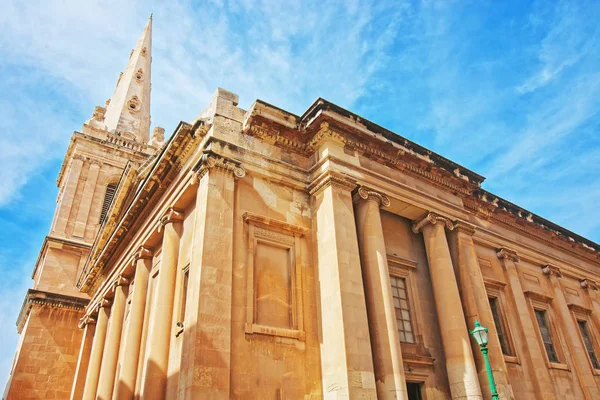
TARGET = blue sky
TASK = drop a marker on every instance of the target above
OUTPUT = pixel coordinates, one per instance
(508, 89)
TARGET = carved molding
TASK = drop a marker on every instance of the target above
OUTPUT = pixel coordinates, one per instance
(464, 227)
(172, 215)
(550, 270)
(330, 179)
(261, 220)
(587, 283)
(47, 299)
(122, 281)
(579, 309)
(86, 320)
(432, 218)
(505, 253)
(366, 193)
(209, 161)
(274, 236)
(143, 252)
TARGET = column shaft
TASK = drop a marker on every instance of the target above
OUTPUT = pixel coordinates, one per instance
(477, 307)
(462, 373)
(91, 380)
(84, 358)
(113, 341)
(133, 336)
(577, 349)
(346, 355)
(387, 354)
(159, 333)
(530, 351)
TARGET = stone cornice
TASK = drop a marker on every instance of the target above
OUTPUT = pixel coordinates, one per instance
(366, 193)
(432, 218)
(76, 244)
(53, 300)
(505, 253)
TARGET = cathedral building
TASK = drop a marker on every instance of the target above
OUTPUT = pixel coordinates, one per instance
(258, 254)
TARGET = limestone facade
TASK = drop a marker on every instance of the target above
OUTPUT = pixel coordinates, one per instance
(259, 254)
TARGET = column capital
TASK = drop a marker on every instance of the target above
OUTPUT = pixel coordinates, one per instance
(504, 253)
(464, 227)
(172, 215)
(366, 193)
(142, 252)
(210, 160)
(121, 281)
(549, 270)
(331, 178)
(587, 283)
(86, 320)
(432, 218)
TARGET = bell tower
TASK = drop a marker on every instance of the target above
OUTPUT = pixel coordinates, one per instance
(116, 137)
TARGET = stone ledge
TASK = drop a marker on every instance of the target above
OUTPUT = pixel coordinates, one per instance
(53, 300)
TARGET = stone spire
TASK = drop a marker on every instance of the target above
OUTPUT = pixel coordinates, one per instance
(128, 110)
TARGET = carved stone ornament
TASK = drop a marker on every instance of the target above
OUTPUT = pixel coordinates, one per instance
(508, 254)
(134, 105)
(209, 161)
(549, 270)
(139, 75)
(86, 320)
(366, 193)
(99, 113)
(464, 227)
(172, 215)
(143, 252)
(104, 303)
(587, 283)
(122, 281)
(331, 179)
(144, 51)
(432, 218)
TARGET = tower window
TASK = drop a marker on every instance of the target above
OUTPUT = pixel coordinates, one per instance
(111, 188)
(589, 345)
(405, 329)
(542, 320)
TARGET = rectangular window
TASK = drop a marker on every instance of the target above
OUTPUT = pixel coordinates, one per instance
(402, 307)
(542, 320)
(500, 328)
(111, 188)
(589, 345)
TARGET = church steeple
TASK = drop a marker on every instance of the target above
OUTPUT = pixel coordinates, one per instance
(128, 111)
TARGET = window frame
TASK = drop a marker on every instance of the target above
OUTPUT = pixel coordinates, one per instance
(582, 314)
(542, 302)
(495, 289)
(399, 267)
(279, 234)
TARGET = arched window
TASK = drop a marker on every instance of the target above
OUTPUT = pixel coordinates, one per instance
(111, 188)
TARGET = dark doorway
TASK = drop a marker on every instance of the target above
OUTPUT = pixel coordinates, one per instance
(414, 391)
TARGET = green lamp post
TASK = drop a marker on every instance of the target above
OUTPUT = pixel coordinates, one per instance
(480, 334)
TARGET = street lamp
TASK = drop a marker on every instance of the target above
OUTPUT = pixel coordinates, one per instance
(480, 334)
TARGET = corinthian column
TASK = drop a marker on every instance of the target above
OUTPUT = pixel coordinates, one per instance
(385, 342)
(159, 333)
(133, 335)
(113, 341)
(91, 380)
(576, 347)
(533, 359)
(462, 374)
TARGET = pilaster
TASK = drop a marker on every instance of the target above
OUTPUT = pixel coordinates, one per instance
(206, 364)
(346, 354)
(387, 354)
(534, 361)
(93, 373)
(88, 324)
(577, 349)
(462, 373)
(477, 307)
(86, 199)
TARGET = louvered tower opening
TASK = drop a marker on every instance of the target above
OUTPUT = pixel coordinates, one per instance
(111, 188)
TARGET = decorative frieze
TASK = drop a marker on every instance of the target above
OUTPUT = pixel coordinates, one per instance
(53, 300)
(432, 218)
(366, 193)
